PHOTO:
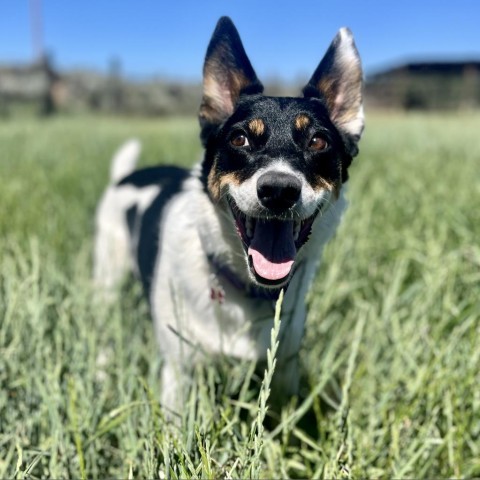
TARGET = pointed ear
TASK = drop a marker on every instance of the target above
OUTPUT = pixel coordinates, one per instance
(227, 74)
(338, 80)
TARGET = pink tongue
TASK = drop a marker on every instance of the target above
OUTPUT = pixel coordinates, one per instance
(272, 249)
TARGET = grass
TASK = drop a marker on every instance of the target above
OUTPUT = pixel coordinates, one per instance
(391, 356)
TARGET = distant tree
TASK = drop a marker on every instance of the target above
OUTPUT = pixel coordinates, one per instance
(47, 104)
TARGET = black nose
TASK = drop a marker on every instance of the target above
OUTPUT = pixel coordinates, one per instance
(278, 190)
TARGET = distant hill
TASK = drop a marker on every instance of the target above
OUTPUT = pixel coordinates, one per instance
(46, 91)
(426, 86)
(416, 85)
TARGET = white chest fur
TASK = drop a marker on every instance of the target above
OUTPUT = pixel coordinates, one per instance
(198, 309)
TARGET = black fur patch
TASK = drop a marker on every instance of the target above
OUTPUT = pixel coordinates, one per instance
(170, 179)
(148, 176)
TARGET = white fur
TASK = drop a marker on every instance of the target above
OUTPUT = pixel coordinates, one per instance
(245, 194)
(112, 250)
(125, 160)
(190, 325)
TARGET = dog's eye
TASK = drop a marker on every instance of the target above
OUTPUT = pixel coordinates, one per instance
(318, 143)
(240, 140)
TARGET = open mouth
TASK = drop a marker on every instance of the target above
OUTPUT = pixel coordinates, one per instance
(271, 244)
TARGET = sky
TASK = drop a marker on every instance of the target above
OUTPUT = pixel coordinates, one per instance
(284, 39)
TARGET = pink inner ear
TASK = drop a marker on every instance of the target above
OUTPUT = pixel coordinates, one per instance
(218, 94)
(344, 97)
(347, 108)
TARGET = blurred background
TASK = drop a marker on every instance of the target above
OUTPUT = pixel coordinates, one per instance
(145, 57)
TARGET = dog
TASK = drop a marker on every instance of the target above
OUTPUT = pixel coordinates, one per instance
(214, 245)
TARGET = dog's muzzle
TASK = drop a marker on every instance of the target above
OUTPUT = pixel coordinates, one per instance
(272, 239)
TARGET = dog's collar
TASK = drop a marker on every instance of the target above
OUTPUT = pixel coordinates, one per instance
(249, 290)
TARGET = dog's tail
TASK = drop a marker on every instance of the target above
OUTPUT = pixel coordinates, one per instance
(125, 160)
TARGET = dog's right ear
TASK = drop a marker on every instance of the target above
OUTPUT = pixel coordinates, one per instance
(338, 80)
(227, 74)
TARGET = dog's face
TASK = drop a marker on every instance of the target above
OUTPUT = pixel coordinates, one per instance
(274, 163)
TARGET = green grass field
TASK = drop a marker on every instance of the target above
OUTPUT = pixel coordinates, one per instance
(391, 355)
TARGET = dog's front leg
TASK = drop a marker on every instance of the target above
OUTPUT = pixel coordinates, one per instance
(286, 379)
(174, 387)
(176, 376)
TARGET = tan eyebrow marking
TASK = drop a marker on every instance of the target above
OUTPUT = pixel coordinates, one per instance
(301, 121)
(256, 126)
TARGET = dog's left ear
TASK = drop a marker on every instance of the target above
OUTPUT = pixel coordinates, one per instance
(227, 74)
(338, 80)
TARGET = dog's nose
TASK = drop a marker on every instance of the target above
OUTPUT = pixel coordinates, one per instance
(278, 190)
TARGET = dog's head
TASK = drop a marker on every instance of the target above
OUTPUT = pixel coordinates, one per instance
(275, 163)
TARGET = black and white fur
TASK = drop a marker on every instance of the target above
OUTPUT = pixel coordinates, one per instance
(276, 164)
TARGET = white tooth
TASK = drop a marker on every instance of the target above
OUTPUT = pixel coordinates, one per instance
(249, 227)
(296, 230)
